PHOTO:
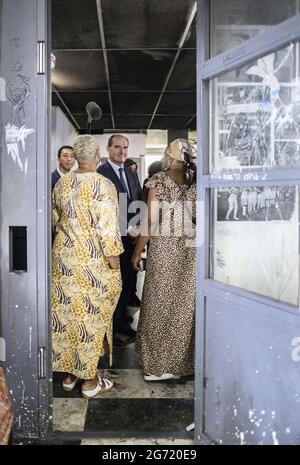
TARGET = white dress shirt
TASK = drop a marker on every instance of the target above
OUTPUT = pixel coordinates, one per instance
(116, 169)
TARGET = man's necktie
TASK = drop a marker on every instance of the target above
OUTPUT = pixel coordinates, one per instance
(122, 180)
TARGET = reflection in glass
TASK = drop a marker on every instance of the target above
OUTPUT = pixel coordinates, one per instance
(255, 114)
(255, 240)
(235, 21)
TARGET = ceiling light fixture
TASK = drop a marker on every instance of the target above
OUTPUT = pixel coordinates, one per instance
(94, 112)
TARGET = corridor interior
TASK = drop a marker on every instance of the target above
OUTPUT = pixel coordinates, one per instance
(130, 59)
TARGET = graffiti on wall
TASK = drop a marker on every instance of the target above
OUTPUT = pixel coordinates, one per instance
(17, 90)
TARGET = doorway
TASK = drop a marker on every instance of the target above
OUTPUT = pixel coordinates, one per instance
(134, 76)
(248, 91)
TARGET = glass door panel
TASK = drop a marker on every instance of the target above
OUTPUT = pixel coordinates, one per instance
(254, 237)
(238, 20)
(255, 114)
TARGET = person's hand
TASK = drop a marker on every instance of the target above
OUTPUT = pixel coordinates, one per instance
(136, 262)
(114, 262)
(134, 231)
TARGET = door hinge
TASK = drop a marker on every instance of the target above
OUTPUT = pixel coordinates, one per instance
(42, 362)
(41, 57)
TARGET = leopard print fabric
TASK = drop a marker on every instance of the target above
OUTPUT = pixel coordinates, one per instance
(165, 335)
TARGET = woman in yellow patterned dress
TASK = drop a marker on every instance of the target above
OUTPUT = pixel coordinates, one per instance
(86, 279)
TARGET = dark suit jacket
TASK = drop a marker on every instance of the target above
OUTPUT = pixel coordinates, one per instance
(133, 182)
(55, 176)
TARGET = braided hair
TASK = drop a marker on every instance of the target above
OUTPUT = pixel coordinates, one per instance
(190, 169)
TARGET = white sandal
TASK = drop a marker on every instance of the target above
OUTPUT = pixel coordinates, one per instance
(163, 377)
(103, 385)
(70, 386)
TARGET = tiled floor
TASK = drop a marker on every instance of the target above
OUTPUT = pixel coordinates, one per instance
(133, 408)
(129, 441)
(130, 384)
(69, 414)
(139, 415)
(136, 441)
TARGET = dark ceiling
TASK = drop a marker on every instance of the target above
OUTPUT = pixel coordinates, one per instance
(135, 58)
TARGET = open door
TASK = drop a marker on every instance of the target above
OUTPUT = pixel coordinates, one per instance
(248, 302)
(24, 104)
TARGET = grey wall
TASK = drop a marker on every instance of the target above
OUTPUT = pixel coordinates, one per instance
(177, 134)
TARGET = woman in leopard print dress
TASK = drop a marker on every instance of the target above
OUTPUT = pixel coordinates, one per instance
(165, 335)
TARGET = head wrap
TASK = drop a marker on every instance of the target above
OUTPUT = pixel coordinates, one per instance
(181, 150)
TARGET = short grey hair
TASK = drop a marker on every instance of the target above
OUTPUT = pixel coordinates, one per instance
(85, 147)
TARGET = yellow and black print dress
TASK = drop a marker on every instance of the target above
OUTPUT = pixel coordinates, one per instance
(85, 290)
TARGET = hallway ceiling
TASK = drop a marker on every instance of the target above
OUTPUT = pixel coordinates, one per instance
(135, 58)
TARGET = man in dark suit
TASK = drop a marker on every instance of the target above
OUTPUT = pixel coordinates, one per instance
(126, 183)
(65, 162)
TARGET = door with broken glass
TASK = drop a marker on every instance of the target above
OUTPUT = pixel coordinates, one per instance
(248, 309)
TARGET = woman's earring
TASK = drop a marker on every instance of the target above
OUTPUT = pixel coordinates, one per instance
(167, 164)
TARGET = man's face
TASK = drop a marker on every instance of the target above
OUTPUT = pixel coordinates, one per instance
(66, 160)
(118, 151)
(133, 168)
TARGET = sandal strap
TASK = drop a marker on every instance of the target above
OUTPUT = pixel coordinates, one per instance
(103, 384)
(70, 385)
(107, 383)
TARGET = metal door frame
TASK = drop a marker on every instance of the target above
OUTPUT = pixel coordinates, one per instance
(44, 229)
(267, 42)
(27, 365)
